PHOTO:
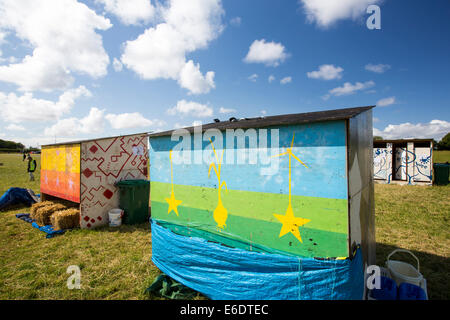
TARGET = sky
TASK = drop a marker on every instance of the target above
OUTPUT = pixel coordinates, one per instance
(74, 70)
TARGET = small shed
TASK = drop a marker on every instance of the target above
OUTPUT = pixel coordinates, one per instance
(85, 172)
(268, 207)
(403, 161)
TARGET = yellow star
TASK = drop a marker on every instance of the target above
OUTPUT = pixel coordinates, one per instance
(173, 203)
(291, 223)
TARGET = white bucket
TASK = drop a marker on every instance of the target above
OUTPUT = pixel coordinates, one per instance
(404, 272)
(115, 217)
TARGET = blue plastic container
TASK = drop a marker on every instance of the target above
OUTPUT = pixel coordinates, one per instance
(388, 290)
(409, 291)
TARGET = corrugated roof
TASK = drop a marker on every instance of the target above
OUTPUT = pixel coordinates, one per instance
(287, 119)
(87, 140)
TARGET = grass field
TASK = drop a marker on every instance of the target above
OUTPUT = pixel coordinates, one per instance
(116, 264)
(441, 156)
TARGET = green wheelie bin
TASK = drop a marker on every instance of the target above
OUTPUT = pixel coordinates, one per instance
(133, 200)
(441, 172)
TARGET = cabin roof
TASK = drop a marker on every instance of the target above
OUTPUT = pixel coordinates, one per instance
(286, 119)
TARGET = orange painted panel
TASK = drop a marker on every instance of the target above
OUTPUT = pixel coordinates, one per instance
(60, 171)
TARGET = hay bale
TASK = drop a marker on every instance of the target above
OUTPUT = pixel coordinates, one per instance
(66, 219)
(38, 205)
(43, 214)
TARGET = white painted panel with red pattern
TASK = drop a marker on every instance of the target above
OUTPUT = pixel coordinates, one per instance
(103, 163)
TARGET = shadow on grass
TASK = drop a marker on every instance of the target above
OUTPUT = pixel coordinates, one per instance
(434, 268)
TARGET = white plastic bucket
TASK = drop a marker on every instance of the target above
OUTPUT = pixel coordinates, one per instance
(404, 272)
(115, 217)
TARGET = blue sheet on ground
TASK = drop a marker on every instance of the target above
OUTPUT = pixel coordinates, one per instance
(47, 229)
(14, 196)
(225, 273)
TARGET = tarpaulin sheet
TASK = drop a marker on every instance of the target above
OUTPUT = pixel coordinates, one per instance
(224, 273)
(17, 196)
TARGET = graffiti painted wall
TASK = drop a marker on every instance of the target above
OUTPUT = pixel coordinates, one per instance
(408, 164)
(380, 163)
(103, 163)
(299, 208)
(422, 164)
(60, 171)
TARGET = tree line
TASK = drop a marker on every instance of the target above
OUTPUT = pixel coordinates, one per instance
(11, 146)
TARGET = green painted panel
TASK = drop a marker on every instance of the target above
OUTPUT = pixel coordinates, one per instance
(252, 234)
(324, 214)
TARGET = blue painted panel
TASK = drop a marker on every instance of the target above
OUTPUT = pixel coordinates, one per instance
(321, 146)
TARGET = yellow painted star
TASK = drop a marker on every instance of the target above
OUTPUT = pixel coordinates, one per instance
(291, 223)
(173, 203)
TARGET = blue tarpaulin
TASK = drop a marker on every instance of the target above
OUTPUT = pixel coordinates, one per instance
(47, 229)
(225, 273)
(16, 196)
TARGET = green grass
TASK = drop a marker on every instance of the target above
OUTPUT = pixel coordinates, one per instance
(441, 156)
(116, 264)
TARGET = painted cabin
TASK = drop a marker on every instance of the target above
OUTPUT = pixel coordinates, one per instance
(297, 186)
(407, 161)
(85, 172)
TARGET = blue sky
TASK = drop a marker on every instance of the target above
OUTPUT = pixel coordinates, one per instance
(80, 69)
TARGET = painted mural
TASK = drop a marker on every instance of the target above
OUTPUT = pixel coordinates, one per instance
(422, 164)
(412, 164)
(301, 209)
(380, 165)
(103, 163)
(60, 171)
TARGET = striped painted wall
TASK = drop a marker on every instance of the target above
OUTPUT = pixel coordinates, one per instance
(300, 209)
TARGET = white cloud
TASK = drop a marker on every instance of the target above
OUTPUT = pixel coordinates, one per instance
(160, 52)
(253, 77)
(271, 78)
(117, 65)
(27, 108)
(192, 79)
(349, 88)
(92, 123)
(286, 80)
(236, 21)
(131, 120)
(377, 68)
(62, 35)
(326, 72)
(386, 102)
(15, 127)
(269, 53)
(225, 110)
(263, 112)
(184, 108)
(130, 12)
(197, 123)
(3, 35)
(327, 12)
(435, 129)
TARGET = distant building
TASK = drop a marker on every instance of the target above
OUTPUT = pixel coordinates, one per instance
(406, 161)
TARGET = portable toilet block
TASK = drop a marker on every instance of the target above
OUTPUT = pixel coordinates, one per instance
(86, 172)
(278, 207)
(403, 161)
